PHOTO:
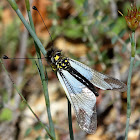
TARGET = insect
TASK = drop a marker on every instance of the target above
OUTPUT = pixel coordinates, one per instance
(79, 82)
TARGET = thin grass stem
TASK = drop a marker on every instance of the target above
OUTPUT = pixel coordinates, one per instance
(43, 79)
(70, 121)
(39, 47)
(28, 27)
(133, 49)
(24, 100)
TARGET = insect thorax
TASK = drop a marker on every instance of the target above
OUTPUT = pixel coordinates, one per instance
(57, 60)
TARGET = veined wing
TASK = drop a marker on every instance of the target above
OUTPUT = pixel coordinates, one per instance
(82, 99)
(98, 79)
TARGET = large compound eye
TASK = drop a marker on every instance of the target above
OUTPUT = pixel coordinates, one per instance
(52, 59)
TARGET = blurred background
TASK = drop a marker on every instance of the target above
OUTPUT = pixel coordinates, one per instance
(90, 31)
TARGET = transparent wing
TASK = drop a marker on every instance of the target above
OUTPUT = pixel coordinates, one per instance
(82, 99)
(98, 79)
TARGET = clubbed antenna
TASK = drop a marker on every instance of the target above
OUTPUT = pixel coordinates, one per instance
(35, 8)
(6, 57)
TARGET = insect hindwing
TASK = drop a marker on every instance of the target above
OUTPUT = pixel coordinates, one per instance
(82, 99)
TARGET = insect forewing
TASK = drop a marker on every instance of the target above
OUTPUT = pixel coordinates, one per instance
(98, 79)
(82, 99)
